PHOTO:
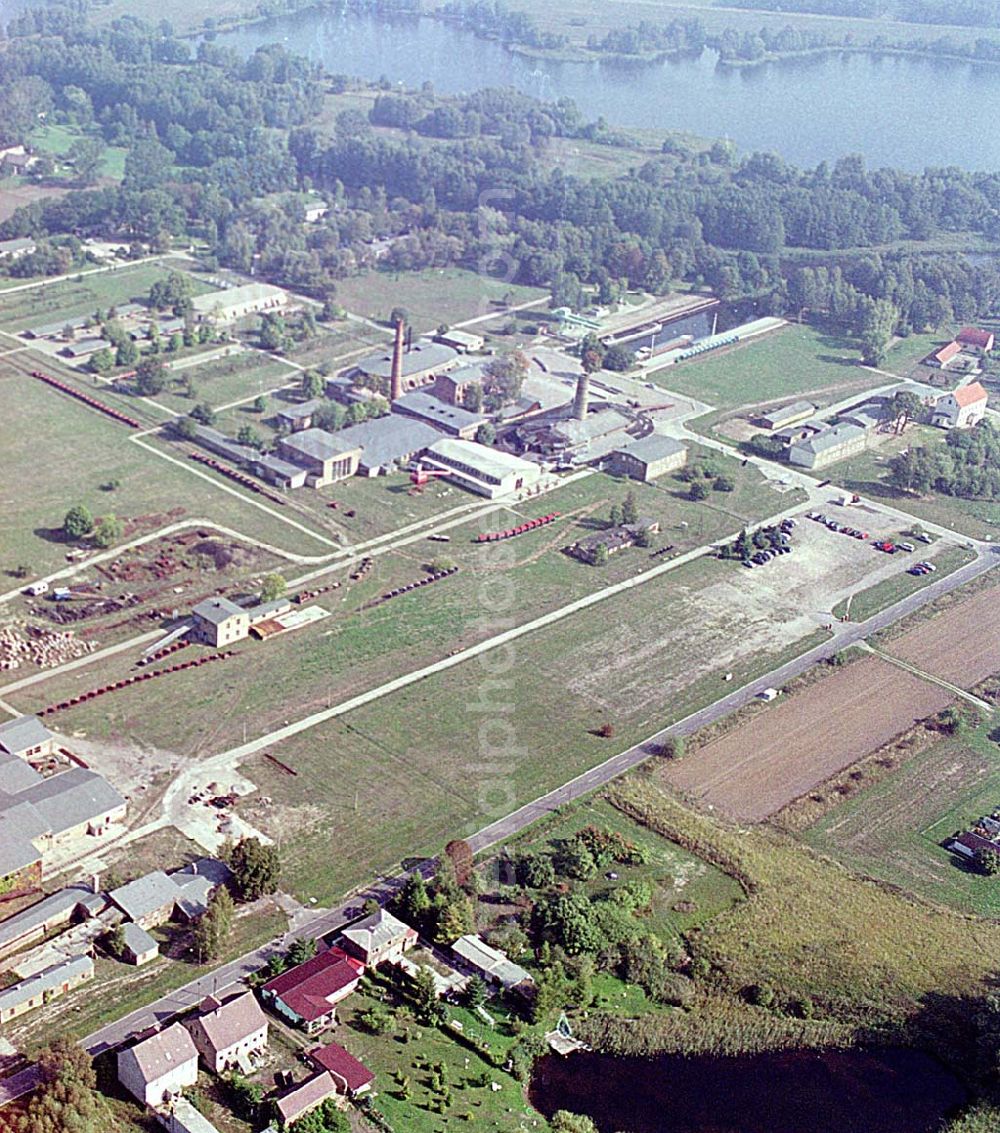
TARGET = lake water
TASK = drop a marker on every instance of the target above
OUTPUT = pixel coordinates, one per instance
(902, 112)
(891, 1091)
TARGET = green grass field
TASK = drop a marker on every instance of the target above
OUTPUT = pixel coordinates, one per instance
(868, 602)
(866, 473)
(432, 297)
(222, 381)
(861, 952)
(356, 649)
(687, 891)
(59, 140)
(82, 295)
(793, 361)
(893, 830)
(88, 450)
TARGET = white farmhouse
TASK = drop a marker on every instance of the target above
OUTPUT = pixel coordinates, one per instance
(156, 1069)
(962, 408)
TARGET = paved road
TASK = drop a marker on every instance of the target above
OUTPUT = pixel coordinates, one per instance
(19, 1084)
(845, 634)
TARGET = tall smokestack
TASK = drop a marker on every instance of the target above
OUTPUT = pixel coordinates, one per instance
(582, 399)
(396, 389)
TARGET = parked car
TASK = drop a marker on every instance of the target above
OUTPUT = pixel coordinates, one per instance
(906, 546)
(922, 538)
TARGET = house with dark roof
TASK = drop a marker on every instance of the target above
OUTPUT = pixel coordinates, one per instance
(976, 338)
(230, 1034)
(352, 1077)
(307, 995)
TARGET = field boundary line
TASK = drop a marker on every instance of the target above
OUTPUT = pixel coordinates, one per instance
(924, 675)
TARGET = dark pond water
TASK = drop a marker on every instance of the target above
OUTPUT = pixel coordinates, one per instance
(903, 112)
(890, 1091)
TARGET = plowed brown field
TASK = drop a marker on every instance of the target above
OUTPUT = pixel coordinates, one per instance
(787, 750)
(961, 645)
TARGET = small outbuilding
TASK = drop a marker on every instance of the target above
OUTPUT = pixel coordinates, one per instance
(139, 947)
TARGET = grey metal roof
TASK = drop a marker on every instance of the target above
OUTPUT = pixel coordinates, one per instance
(145, 895)
(20, 818)
(16, 853)
(831, 438)
(300, 409)
(785, 413)
(217, 610)
(421, 356)
(58, 903)
(283, 468)
(225, 446)
(317, 444)
(232, 1022)
(72, 798)
(22, 243)
(137, 939)
(478, 954)
(23, 733)
(46, 330)
(16, 775)
(85, 346)
(45, 980)
(654, 447)
(450, 417)
(387, 440)
(470, 372)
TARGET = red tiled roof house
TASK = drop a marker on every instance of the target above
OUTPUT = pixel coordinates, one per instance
(352, 1076)
(962, 408)
(976, 338)
(307, 995)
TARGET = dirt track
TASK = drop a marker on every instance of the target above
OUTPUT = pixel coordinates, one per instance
(784, 752)
(962, 645)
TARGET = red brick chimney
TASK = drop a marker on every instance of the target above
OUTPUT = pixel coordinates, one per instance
(396, 389)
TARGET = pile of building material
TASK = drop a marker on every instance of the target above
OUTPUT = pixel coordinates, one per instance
(34, 645)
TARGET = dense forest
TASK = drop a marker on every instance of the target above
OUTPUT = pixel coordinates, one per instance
(212, 139)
